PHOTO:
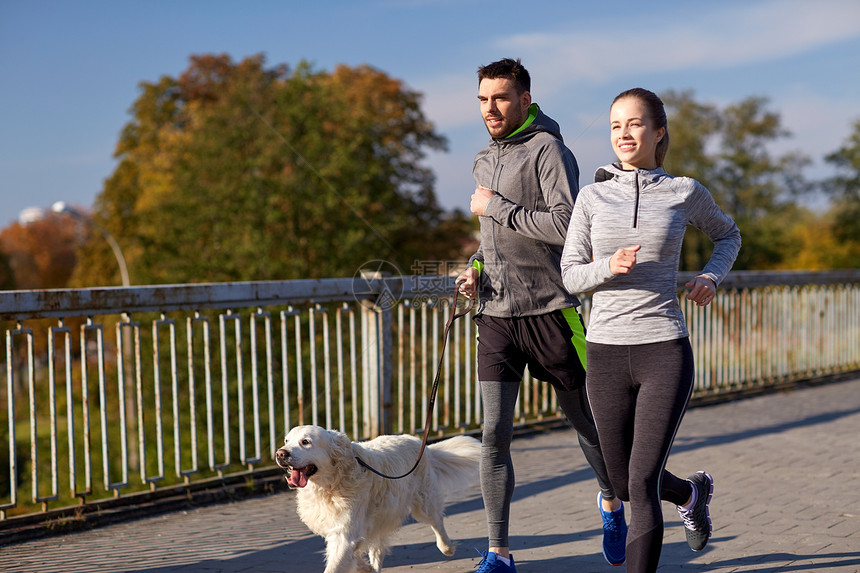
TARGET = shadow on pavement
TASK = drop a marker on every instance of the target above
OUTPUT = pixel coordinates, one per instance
(822, 561)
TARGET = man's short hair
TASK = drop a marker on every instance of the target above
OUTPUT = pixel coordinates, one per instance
(509, 69)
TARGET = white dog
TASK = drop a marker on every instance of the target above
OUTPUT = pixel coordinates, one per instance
(356, 510)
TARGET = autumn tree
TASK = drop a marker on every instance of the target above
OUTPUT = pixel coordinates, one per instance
(818, 244)
(728, 150)
(7, 275)
(39, 254)
(236, 171)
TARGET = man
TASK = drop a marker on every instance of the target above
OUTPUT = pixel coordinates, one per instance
(526, 181)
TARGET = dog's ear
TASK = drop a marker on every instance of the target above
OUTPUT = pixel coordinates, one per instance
(340, 448)
(343, 464)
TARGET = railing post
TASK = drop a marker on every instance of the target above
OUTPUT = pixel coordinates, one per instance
(386, 362)
(376, 325)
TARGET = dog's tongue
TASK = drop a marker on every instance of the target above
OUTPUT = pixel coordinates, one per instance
(298, 478)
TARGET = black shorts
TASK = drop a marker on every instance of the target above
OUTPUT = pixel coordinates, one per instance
(552, 345)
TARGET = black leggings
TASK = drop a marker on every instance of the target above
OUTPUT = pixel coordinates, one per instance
(638, 395)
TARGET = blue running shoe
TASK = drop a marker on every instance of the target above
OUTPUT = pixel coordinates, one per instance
(614, 533)
(491, 564)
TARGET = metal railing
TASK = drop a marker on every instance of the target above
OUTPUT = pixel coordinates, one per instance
(115, 391)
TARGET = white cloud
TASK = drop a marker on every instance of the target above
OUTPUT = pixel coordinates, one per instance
(718, 38)
(819, 125)
(451, 101)
(577, 65)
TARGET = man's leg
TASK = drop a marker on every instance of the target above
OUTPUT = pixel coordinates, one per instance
(497, 468)
(565, 363)
(559, 353)
(574, 404)
(556, 349)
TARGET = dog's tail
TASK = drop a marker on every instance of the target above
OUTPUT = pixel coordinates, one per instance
(455, 462)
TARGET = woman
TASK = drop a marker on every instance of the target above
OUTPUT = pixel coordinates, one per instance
(624, 243)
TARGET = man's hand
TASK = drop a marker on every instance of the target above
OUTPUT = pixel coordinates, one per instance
(468, 281)
(702, 290)
(623, 261)
(480, 198)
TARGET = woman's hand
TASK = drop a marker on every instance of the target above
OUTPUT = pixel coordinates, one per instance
(702, 290)
(623, 261)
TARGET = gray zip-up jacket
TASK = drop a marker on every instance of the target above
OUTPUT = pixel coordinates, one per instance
(652, 209)
(536, 179)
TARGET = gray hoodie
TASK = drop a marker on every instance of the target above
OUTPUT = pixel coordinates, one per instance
(652, 209)
(536, 179)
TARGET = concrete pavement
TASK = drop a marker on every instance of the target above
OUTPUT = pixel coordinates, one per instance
(787, 499)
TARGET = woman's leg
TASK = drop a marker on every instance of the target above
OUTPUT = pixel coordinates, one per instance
(663, 374)
(613, 401)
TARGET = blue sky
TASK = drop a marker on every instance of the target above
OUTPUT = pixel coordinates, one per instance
(69, 71)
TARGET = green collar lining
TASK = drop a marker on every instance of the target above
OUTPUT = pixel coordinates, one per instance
(533, 111)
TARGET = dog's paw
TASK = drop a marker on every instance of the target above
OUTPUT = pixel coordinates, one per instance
(446, 548)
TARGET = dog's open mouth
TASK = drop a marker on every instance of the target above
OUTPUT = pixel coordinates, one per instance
(299, 476)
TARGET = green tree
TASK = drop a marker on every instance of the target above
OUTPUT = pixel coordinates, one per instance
(844, 188)
(691, 126)
(236, 171)
(728, 151)
(759, 189)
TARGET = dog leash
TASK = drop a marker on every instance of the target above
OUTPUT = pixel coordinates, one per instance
(454, 315)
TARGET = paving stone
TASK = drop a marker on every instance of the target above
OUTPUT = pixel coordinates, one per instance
(786, 499)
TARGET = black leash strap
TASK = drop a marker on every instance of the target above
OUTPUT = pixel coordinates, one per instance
(454, 315)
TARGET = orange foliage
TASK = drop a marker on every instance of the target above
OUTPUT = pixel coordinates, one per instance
(42, 253)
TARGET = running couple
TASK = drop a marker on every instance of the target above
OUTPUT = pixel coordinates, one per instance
(542, 241)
